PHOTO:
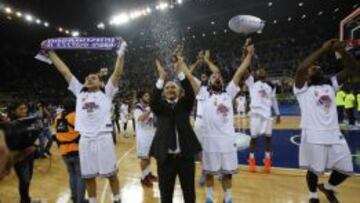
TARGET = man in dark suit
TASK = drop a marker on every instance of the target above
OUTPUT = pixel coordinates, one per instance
(175, 144)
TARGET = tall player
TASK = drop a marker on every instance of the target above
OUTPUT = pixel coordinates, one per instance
(145, 131)
(93, 111)
(322, 144)
(219, 151)
(263, 97)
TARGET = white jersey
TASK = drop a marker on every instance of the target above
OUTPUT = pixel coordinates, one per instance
(261, 97)
(319, 120)
(93, 109)
(199, 107)
(218, 118)
(144, 128)
(124, 109)
(241, 104)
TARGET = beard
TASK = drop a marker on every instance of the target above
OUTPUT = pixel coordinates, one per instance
(317, 79)
(216, 87)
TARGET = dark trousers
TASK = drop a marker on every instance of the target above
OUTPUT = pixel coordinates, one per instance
(76, 182)
(340, 110)
(24, 172)
(117, 124)
(167, 172)
(350, 113)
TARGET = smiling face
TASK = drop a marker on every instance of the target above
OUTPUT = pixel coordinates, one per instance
(93, 82)
(171, 91)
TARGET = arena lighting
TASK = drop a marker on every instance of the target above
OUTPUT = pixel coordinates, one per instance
(179, 1)
(189, 28)
(303, 16)
(289, 19)
(214, 33)
(75, 33)
(8, 10)
(101, 26)
(46, 24)
(275, 21)
(29, 18)
(270, 4)
(193, 37)
(38, 21)
(120, 19)
(162, 6)
(320, 13)
(18, 14)
(204, 35)
(301, 4)
(225, 31)
(135, 14)
(336, 10)
(60, 29)
(67, 32)
(148, 10)
(212, 23)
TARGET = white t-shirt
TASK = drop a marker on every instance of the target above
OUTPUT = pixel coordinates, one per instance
(261, 96)
(218, 118)
(319, 119)
(241, 103)
(93, 109)
(144, 128)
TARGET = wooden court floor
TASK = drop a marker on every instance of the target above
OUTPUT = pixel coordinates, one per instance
(50, 184)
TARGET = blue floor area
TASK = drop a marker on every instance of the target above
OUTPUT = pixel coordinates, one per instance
(285, 153)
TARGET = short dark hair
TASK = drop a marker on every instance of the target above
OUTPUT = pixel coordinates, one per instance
(11, 108)
(140, 94)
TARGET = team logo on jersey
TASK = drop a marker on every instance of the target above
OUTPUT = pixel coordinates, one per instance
(223, 110)
(263, 93)
(90, 106)
(325, 101)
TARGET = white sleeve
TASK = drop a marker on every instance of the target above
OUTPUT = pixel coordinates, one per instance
(160, 84)
(250, 81)
(202, 94)
(334, 83)
(137, 114)
(298, 91)
(274, 102)
(232, 89)
(110, 89)
(75, 86)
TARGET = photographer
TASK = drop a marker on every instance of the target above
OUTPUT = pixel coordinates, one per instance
(20, 134)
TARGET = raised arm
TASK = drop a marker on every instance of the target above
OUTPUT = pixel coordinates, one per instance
(119, 65)
(242, 69)
(61, 66)
(213, 68)
(156, 100)
(351, 65)
(301, 75)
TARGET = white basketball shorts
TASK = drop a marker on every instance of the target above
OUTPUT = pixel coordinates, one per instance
(319, 158)
(97, 155)
(260, 125)
(215, 163)
(143, 145)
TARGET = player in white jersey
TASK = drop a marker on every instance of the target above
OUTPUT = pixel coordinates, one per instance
(218, 141)
(323, 147)
(124, 115)
(93, 121)
(145, 131)
(240, 106)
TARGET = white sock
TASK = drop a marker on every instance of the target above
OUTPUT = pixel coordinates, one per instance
(328, 186)
(313, 195)
(252, 155)
(92, 199)
(267, 155)
(145, 173)
(228, 195)
(116, 197)
(209, 192)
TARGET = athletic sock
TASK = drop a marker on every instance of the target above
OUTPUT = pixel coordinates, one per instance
(116, 197)
(252, 155)
(328, 186)
(313, 195)
(92, 199)
(268, 155)
(209, 193)
(228, 195)
(145, 173)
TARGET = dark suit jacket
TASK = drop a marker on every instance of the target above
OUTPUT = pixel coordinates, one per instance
(189, 144)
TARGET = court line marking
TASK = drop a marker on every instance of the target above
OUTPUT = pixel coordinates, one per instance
(103, 193)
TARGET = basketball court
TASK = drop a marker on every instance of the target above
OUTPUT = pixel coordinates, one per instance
(286, 183)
